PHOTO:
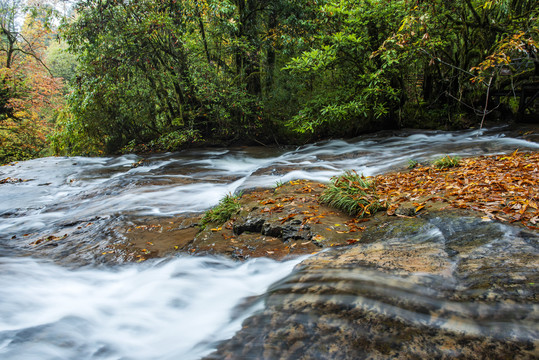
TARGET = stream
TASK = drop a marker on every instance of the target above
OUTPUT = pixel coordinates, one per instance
(64, 300)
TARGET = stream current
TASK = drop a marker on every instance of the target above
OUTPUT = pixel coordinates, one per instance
(65, 302)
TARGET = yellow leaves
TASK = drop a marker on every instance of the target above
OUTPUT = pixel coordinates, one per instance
(217, 229)
(488, 5)
(276, 208)
(419, 206)
(47, 239)
(391, 209)
(286, 218)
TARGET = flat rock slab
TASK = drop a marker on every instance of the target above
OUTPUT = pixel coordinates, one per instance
(445, 286)
(279, 223)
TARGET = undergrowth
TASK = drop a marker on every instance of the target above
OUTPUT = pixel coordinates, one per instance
(354, 194)
(227, 207)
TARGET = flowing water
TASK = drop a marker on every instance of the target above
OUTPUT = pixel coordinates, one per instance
(58, 300)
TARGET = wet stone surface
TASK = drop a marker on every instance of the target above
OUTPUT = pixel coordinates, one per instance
(278, 223)
(446, 285)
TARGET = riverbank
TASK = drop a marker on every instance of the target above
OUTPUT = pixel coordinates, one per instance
(289, 220)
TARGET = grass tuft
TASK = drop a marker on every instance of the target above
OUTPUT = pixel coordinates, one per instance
(446, 162)
(412, 164)
(278, 184)
(352, 193)
(227, 207)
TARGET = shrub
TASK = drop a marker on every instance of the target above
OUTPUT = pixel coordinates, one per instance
(353, 194)
(227, 207)
(446, 162)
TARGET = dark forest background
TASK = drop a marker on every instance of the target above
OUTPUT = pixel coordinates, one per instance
(111, 76)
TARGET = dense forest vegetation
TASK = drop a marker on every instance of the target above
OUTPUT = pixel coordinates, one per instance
(110, 76)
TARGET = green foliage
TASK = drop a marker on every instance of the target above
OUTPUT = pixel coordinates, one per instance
(227, 207)
(378, 63)
(70, 137)
(352, 193)
(412, 163)
(20, 140)
(171, 141)
(61, 62)
(161, 75)
(156, 71)
(446, 162)
(347, 91)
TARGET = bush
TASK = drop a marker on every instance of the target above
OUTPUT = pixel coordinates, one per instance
(353, 194)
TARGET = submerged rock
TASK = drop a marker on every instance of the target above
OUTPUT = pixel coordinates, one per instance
(447, 285)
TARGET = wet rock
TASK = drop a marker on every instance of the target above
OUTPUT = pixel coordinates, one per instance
(444, 285)
(294, 230)
(405, 211)
(253, 225)
(276, 223)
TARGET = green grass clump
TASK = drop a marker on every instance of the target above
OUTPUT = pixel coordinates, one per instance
(412, 164)
(227, 207)
(352, 193)
(446, 162)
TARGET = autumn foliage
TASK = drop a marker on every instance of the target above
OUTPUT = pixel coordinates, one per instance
(30, 95)
(503, 187)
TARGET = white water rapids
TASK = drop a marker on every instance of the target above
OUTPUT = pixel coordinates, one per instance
(172, 309)
(176, 308)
